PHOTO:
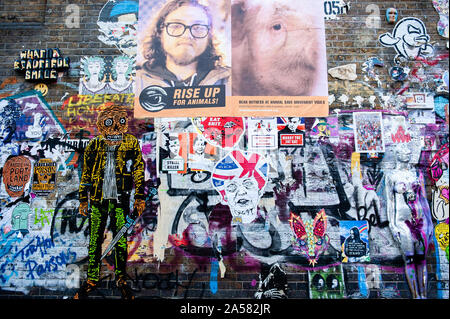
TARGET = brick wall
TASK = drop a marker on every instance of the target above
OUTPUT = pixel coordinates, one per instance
(47, 258)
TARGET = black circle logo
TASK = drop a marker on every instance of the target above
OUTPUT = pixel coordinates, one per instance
(153, 98)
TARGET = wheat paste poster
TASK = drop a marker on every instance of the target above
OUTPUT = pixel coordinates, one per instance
(354, 241)
(231, 58)
(369, 132)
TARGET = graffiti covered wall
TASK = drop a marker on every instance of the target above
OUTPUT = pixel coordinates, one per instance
(351, 205)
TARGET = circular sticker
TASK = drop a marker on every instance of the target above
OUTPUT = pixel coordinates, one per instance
(153, 98)
(41, 87)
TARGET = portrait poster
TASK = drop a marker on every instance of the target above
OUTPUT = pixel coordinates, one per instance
(354, 236)
(238, 58)
(368, 132)
(202, 155)
(173, 153)
(291, 131)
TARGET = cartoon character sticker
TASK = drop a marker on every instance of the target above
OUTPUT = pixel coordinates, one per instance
(409, 38)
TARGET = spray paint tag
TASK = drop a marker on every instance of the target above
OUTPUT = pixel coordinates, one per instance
(213, 276)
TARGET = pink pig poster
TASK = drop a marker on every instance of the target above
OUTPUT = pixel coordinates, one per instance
(231, 58)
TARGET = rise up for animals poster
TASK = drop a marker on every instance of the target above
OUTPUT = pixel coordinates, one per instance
(231, 58)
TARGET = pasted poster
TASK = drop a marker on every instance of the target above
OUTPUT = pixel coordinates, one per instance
(238, 60)
(173, 152)
(16, 175)
(327, 283)
(79, 112)
(117, 22)
(419, 100)
(262, 133)
(368, 130)
(354, 241)
(106, 75)
(201, 155)
(44, 177)
(291, 131)
(223, 132)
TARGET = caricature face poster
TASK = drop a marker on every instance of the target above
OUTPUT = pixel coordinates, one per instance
(354, 241)
(231, 58)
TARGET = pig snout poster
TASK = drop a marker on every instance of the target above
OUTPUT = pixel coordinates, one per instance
(231, 58)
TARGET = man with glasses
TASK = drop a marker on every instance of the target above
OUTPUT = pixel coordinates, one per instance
(179, 49)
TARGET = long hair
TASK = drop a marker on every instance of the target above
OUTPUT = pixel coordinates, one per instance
(152, 48)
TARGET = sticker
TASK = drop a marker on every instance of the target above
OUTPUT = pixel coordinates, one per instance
(44, 177)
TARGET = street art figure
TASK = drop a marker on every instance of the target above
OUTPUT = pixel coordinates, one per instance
(106, 75)
(240, 178)
(121, 71)
(311, 239)
(112, 164)
(117, 24)
(274, 285)
(439, 170)
(409, 38)
(93, 81)
(409, 219)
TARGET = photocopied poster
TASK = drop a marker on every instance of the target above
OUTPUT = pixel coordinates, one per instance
(354, 241)
(106, 75)
(291, 131)
(238, 58)
(44, 177)
(327, 283)
(368, 130)
(173, 152)
(262, 133)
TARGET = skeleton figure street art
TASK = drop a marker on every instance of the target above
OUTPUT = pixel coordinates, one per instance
(409, 38)
(112, 166)
(311, 239)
